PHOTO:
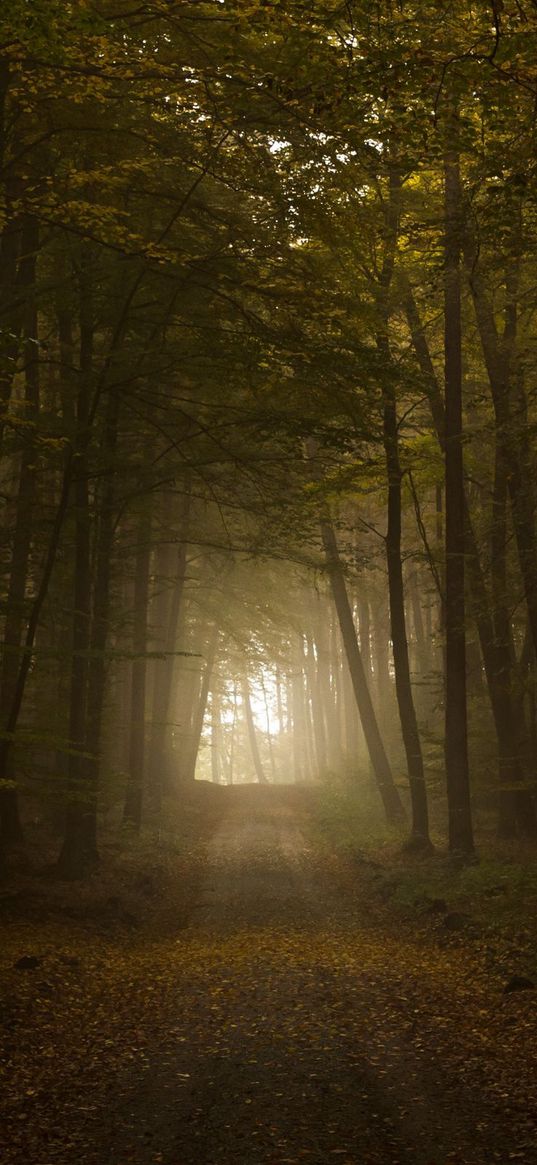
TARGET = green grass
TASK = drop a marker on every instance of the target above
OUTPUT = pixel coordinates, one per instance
(349, 819)
(498, 891)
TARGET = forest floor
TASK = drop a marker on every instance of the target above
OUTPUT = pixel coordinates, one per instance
(265, 1005)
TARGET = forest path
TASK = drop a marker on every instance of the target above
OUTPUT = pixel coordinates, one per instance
(288, 1021)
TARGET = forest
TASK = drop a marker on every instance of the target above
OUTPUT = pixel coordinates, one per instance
(268, 482)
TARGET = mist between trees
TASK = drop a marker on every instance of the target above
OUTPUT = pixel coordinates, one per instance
(267, 365)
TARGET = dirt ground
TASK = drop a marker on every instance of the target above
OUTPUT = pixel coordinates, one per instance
(287, 1018)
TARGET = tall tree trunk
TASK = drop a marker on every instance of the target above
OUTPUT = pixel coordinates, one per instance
(298, 737)
(378, 646)
(70, 468)
(515, 462)
(525, 700)
(199, 716)
(233, 730)
(335, 716)
(403, 687)
(391, 800)
(381, 767)
(79, 850)
(10, 824)
(279, 701)
(405, 700)
(186, 701)
(132, 813)
(269, 733)
(159, 746)
(310, 755)
(516, 806)
(495, 662)
(97, 668)
(422, 658)
(14, 254)
(319, 735)
(511, 422)
(215, 738)
(252, 736)
(456, 742)
(353, 743)
(33, 620)
(364, 635)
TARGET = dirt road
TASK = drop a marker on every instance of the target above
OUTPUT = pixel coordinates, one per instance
(288, 1023)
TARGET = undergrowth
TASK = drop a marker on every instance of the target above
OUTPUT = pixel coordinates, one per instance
(497, 893)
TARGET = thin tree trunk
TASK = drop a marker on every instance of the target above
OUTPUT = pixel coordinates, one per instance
(405, 700)
(269, 734)
(310, 756)
(456, 742)
(353, 744)
(199, 716)
(495, 663)
(132, 813)
(10, 824)
(231, 767)
(279, 701)
(391, 800)
(64, 494)
(165, 668)
(390, 797)
(364, 635)
(97, 669)
(516, 806)
(403, 687)
(13, 249)
(297, 699)
(316, 706)
(378, 641)
(335, 718)
(33, 621)
(252, 737)
(79, 851)
(422, 658)
(215, 738)
(512, 432)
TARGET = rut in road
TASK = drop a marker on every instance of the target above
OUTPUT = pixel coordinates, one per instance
(300, 1031)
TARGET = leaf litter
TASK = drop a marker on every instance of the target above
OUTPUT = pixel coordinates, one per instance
(293, 1019)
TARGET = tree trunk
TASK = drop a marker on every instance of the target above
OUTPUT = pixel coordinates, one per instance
(405, 700)
(97, 668)
(231, 765)
(13, 248)
(310, 757)
(159, 748)
(516, 806)
(378, 642)
(297, 701)
(199, 716)
(10, 824)
(494, 661)
(512, 428)
(132, 813)
(353, 743)
(252, 737)
(391, 800)
(279, 701)
(269, 733)
(79, 851)
(215, 738)
(422, 658)
(317, 717)
(456, 742)
(390, 797)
